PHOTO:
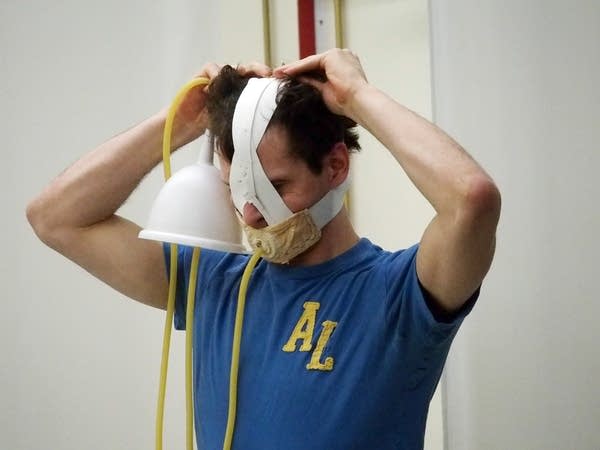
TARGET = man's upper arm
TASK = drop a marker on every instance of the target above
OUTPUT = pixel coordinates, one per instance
(456, 251)
(111, 251)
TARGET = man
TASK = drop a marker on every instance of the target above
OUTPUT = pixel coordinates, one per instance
(343, 343)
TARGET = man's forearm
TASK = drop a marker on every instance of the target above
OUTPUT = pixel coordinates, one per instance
(437, 165)
(93, 188)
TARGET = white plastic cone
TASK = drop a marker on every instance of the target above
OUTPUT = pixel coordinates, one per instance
(194, 208)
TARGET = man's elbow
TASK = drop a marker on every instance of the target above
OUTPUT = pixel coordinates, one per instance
(39, 216)
(482, 201)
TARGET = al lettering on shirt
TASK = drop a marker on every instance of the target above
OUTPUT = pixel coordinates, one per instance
(304, 331)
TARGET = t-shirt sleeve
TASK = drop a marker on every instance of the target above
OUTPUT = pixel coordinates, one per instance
(423, 335)
(208, 259)
(212, 268)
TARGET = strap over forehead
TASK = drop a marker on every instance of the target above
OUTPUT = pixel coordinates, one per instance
(247, 178)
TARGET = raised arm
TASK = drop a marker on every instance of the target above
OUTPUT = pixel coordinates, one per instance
(75, 214)
(457, 247)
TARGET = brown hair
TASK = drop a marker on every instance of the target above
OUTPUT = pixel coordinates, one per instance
(312, 129)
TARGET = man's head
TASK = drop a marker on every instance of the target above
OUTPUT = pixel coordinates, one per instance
(312, 130)
(285, 155)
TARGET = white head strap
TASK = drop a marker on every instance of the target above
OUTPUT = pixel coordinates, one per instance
(247, 178)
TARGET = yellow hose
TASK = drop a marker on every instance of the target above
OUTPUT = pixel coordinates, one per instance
(160, 409)
(235, 350)
(164, 364)
(171, 117)
(189, 340)
(239, 316)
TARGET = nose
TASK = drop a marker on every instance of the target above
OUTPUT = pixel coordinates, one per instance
(252, 216)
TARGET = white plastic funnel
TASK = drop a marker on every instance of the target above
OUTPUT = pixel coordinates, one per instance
(194, 208)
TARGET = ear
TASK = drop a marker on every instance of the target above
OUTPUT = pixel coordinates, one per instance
(337, 164)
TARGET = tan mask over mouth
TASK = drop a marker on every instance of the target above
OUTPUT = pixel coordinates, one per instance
(282, 242)
(287, 234)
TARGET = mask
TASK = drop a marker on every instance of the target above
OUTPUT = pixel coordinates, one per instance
(287, 234)
(284, 241)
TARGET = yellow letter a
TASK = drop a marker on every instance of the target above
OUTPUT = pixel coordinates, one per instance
(304, 329)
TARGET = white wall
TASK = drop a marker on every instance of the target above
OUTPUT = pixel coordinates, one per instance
(517, 83)
(80, 362)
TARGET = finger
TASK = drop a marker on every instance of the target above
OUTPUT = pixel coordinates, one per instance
(308, 64)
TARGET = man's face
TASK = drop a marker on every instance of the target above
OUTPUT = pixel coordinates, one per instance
(297, 185)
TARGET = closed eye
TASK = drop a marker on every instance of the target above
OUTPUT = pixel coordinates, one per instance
(278, 184)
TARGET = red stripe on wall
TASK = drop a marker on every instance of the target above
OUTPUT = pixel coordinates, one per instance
(306, 27)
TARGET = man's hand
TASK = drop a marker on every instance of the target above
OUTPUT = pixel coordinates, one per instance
(343, 77)
(191, 119)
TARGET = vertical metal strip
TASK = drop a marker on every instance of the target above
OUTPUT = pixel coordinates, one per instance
(266, 18)
(339, 43)
(339, 27)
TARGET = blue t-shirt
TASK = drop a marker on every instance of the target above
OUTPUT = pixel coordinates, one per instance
(340, 355)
